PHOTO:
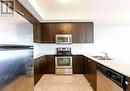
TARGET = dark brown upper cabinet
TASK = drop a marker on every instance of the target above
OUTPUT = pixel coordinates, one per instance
(128, 85)
(75, 33)
(81, 32)
(37, 33)
(48, 33)
(68, 28)
(86, 32)
(63, 28)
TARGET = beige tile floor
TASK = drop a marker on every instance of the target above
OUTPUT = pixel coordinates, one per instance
(63, 83)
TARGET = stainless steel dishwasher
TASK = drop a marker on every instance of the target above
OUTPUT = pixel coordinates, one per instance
(110, 80)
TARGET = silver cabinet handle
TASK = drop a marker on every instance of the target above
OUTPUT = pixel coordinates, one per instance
(126, 82)
(40, 58)
(89, 60)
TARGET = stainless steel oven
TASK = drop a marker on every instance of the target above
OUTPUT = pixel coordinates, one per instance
(63, 65)
(63, 38)
(63, 62)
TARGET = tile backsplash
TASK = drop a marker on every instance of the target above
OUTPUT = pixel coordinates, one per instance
(42, 49)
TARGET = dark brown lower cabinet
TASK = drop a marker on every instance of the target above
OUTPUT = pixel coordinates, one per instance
(86, 66)
(43, 65)
(90, 71)
(49, 64)
(77, 64)
(39, 69)
(128, 86)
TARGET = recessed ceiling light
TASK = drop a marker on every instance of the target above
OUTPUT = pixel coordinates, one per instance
(65, 1)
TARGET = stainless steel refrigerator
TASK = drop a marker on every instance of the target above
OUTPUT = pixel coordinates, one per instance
(16, 54)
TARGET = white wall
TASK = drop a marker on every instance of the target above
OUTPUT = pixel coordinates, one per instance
(15, 30)
(41, 49)
(113, 38)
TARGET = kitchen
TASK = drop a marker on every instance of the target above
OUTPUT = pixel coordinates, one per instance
(94, 40)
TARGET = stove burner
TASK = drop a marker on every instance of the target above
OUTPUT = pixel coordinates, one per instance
(63, 51)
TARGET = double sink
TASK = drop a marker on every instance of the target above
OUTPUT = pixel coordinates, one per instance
(105, 57)
(102, 57)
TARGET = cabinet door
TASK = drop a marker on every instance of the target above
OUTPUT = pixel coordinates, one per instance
(37, 32)
(86, 32)
(90, 32)
(90, 71)
(63, 28)
(128, 86)
(77, 64)
(68, 28)
(93, 74)
(87, 69)
(35, 72)
(38, 69)
(42, 65)
(50, 64)
(48, 33)
(75, 33)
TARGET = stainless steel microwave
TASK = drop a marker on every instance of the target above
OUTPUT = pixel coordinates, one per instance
(63, 38)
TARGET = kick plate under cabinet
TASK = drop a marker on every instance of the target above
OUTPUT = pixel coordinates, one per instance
(64, 71)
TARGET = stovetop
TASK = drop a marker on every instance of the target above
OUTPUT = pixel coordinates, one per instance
(63, 54)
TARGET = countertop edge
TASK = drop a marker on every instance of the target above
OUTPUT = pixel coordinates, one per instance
(107, 65)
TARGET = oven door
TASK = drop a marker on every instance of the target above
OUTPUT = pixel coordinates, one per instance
(63, 62)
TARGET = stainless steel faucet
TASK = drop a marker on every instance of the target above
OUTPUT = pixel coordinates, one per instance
(106, 55)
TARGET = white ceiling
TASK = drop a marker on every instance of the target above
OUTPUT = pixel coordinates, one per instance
(53, 10)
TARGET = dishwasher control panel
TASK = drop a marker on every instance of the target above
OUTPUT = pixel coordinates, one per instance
(116, 77)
